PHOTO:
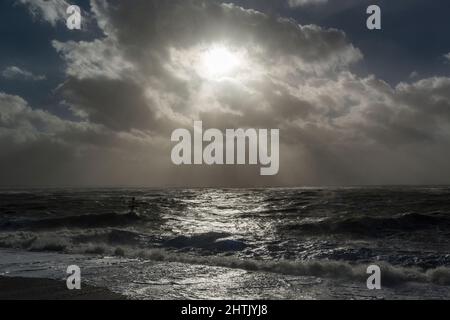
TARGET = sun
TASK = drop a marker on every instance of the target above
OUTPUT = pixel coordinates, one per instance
(220, 61)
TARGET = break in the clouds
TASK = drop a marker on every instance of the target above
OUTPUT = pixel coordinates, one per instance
(16, 73)
(156, 68)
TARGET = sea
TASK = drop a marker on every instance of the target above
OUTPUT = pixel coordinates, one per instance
(213, 243)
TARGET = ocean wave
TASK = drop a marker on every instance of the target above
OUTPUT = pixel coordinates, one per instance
(81, 221)
(70, 240)
(214, 241)
(120, 244)
(371, 226)
(337, 270)
(111, 237)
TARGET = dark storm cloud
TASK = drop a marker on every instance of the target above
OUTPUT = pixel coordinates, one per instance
(39, 148)
(119, 105)
(184, 24)
(117, 71)
(146, 77)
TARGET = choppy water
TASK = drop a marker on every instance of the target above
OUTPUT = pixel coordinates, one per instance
(328, 233)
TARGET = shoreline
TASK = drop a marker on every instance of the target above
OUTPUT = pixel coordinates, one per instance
(19, 288)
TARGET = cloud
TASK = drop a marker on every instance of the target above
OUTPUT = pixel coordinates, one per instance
(300, 3)
(447, 56)
(51, 11)
(40, 148)
(194, 23)
(16, 73)
(414, 75)
(146, 76)
(21, 122)
(158, 55)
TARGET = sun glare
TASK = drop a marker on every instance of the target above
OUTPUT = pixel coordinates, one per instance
(220, 61)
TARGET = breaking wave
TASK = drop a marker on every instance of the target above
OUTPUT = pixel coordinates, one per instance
(337, 270)
(70, 240)
(121, 243)
(215, 241)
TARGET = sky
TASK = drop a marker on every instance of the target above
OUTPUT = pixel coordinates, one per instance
(97, 106)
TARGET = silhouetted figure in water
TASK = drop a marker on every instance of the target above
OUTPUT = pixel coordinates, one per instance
(133, 208)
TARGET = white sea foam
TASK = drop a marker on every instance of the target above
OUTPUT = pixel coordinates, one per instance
(391, 275)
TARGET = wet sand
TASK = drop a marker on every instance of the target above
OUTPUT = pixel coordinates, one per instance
(46, 289)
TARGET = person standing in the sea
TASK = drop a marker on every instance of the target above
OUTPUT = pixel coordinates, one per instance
(133, 207)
